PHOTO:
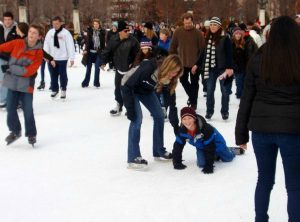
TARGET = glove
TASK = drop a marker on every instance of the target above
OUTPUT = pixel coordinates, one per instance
(4, 68)
(208, 169)
(130, 115)
(179, 166)
(176, 129)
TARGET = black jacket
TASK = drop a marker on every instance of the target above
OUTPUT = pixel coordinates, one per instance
(89, 40)
(266, 108)
(143, 81)
(11, 35)
(122, 53)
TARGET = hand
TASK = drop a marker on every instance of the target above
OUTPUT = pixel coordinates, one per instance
(194, 69)
(208, 169)
(53, 63)
(243, 146)
(227, 73)
(179, 166)
(4, 68)
(71, 63)
(102, 67)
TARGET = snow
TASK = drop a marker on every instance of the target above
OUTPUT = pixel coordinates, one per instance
(77, 170)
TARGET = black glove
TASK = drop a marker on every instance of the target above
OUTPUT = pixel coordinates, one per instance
(4, 68)
(176, 130)
(179, 166)
(208, 169)
(130, 115)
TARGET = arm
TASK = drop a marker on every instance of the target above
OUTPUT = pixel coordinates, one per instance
(173, 113)
(174, 44)
(177, 154)
(209, 155)
(7, 47)
(70, 46)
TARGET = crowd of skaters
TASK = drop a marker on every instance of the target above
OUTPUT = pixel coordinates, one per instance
(149, 61)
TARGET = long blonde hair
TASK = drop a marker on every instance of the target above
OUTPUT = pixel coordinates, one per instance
(169, 64)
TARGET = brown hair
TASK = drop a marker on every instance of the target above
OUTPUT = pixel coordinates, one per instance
(238, 43)
(39, 28)
(169, 64)
(165, 31)
(96, 20)
(187, 15)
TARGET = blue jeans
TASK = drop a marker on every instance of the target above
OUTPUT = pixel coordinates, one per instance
(266, 146)
(211, 86)
(43, 71)
(239, 81)
(3, 90)
(61, 71)
(13, 122)
(150, 101)
(92, 58)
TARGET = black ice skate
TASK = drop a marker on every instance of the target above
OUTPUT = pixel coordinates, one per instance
(32, 140)
(54, 95)
(116, 111)
(166, 157)
(41, 86)
(237, 150)
(12, 137)
(138, 164)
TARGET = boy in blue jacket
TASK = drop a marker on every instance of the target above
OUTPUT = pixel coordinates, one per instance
(209, 143)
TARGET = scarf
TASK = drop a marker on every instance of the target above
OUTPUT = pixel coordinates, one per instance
(56, 42)
(96, 39)
(210, 59)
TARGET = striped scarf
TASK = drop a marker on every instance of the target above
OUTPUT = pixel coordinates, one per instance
(210, 59)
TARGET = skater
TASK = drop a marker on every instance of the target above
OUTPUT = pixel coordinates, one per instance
(209, 143)
(25, 58)
(140, 88)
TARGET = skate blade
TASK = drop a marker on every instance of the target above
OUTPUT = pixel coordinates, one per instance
(161, 159)
(138, 167)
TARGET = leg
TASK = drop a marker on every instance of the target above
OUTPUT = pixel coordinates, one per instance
(151, 102)
(200, 158)
(266, 154)
(222, 151)
(89, 64)
(97, 71)
(43, 71)
(184, 79)
(54, 77)
(225, 88)
(211, 86)
(290, 152)
(118, 95)
(13, 121)
(194, 88)
(30, 127)
(63, 74)
(134, 132)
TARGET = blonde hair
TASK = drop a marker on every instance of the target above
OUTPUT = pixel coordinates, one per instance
(169, 64)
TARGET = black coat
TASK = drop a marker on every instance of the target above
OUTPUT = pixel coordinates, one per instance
(266, 108)
(89, 40)
(11, 35)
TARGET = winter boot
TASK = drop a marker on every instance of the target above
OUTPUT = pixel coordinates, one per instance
(12, 137)
(116, 111)
(32, 140)
(41, 86)
(138, 164)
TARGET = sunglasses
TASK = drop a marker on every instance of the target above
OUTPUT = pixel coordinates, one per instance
(126, 30)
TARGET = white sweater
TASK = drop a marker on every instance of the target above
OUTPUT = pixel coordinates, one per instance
(66, 48)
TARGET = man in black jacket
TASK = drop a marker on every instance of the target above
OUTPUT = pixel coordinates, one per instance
(7, 33)
(122, 50)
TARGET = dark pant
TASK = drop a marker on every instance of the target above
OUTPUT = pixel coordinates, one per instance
(239, 81)
(43, 71)
(118, 95)
(204, 82)
(211, 86)
(266, 146)
(61, 71)
(191, 88)
(92, 58)
(13, 122)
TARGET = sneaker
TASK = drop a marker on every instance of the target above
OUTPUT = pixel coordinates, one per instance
(63, 94)
(12, 137)
(208, 115)
(166, 156)
(54, 94)
(116, 111)
(32, 140)
(237, 150)
(225, 116)
(138, 164)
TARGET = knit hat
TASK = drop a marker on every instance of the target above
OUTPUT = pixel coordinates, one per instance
(23, 27)
(188, 111)
(243, 26)
(122, 25)
(148, 25)
(237, 30)
(215, 20)
(146, 43)
(115, 24)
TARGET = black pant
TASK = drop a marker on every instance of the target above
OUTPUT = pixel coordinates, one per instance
(191, 88)
(118, 95)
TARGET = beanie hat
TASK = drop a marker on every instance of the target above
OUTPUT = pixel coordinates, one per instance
(148, 25)
(23, 27)
(215, 20)
(122, 25)
(115, 24)
(188, 111)
(243, 26)
(237, 30)
(146, 43)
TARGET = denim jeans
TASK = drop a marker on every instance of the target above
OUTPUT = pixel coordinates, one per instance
(239, 81)
(43, 71)
(266, 146)
(3, 90)
(150, 101)
(211, 86)
(13, 122)
(191, 88)
(92, 58)
(61, 71)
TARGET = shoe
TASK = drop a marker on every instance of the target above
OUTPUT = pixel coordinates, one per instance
(166, 156)
(32, 140)
(138, 164)
(12, 137)
(237, 150)
(208, 115)
(41, 86)
(116, 111)
(63, 94)
(54, 94)
(225, 116)
(2, 105)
